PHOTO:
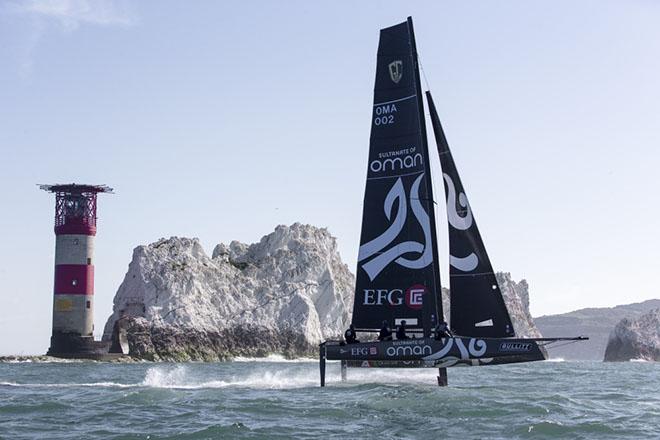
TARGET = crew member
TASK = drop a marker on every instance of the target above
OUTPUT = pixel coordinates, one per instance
(350, 335)
(401, 331)
(442, 331)
(385, 332)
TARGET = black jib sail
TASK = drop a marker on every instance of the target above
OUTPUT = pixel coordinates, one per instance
(397, 273)
(477, 306)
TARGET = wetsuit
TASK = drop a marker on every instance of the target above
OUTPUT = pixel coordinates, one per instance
(350, 337)
(401, 332)
(385, 334)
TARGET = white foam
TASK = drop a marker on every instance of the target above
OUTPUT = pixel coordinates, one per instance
(178, 378)
(274, 358)
(40, 360)
(639, 360)
(557, 359)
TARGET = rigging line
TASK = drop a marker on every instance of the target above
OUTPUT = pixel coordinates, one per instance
(547, 345)
(421, 67)
(561, 343)
(425, 200)
(436, 206)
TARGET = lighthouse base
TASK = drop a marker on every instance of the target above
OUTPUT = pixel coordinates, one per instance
(75, 346)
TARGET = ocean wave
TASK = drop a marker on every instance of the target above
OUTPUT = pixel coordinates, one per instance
(70, 385)
(265, 400)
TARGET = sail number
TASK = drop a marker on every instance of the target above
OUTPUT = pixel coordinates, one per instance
(385, 114)
(384, 120)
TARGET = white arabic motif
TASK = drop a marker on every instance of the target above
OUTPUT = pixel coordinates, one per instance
(449, 343)
(462, 349)
(387, 237)
(423, 218)
(396, 252)
(470, 262)
(455, 219)
(465, 264)
(477, 347)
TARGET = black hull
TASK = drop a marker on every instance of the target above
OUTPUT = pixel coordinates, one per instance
(431, 353)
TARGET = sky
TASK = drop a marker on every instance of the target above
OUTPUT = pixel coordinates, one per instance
(221, 120)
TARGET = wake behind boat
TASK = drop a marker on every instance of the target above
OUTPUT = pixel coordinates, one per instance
(398, 277)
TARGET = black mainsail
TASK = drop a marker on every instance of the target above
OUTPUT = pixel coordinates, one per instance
(397, 273)
(477, 306)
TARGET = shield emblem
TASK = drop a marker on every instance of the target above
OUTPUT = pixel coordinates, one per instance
(396, 71)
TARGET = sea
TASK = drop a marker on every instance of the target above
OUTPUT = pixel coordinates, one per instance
(274, 398)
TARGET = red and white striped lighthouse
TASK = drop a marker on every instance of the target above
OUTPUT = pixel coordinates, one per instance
(73, 302)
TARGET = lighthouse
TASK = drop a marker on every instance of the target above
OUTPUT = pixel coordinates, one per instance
(73, 290)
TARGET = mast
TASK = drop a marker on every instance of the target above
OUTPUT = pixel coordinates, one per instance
(477, 305)
(397, 277)
(434, 240)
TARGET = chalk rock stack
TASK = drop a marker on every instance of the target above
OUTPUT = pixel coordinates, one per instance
(282, 295)
(637, 338)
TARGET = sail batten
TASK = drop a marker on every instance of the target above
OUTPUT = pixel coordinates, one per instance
(476, 302)
(397, 274)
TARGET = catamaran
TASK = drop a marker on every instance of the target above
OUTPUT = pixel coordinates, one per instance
(398, 277)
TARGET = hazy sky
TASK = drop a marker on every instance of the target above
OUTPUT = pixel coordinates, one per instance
(221, 120)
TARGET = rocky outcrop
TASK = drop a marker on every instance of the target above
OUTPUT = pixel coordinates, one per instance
(596, 323)
(516, 298)
(635, 339)
(282, 295)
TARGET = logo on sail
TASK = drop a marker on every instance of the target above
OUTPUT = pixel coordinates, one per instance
(375, 248)
(415, 296)
(393, 164)
(409, 350)
(396, 71)
(515, 346)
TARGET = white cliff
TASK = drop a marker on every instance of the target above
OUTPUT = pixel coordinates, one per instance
(637, 338)
(284, 294)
